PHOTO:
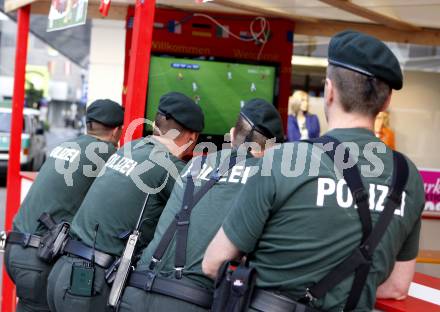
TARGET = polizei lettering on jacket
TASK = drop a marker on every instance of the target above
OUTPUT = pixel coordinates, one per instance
(121, 164)
(377, 195)
(64, 153)
(237, 174)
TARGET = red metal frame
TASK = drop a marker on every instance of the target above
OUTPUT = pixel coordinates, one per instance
(13, 179)
(128, 42)
(430, 217)
(412, 304)
(139, 61)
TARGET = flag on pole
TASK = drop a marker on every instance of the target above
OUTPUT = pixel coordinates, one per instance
(175, 27)
(222, 32)
(104, 7)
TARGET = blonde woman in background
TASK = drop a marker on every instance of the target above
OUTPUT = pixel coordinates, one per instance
(383, 131)
(300, 123)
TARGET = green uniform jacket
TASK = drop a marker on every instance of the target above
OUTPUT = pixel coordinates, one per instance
(297, 226)
(116, 198)
(63, 182)
(206, 217)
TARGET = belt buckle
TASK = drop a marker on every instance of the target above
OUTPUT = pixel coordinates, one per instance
(365, 251)
(178, 272)
(308, 296)
(153, 263)
(180, 223)
(26, 240)
(150, 277)
(3, 238)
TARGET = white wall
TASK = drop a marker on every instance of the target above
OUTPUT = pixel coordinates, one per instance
(106, 69)
(7, 86)
(415, 118)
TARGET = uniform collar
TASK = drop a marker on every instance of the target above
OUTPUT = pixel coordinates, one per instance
(351, 131)
(150, 140)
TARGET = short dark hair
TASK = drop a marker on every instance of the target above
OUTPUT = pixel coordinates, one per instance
(359, 93)
(98, 129)
(242, 131)
(164, 124)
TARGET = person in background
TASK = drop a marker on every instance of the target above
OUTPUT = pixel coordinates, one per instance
(301, 124)
(60, 197)
(383, 131)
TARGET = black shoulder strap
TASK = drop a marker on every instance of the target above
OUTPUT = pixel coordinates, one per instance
(180, 226)
(354, 182)
(359, 261)
(394, 200)
(171, 230)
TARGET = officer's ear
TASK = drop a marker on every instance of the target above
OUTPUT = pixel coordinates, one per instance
(116, 134)
(186, 136)
(329, 92)
(194, 136)
(189, 140)
(387, 102)
(232, 136)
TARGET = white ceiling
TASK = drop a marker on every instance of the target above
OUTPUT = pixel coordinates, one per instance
(425, 13)
(422, 13)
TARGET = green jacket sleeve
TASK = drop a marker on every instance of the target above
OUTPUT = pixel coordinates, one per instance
(410, 247)
(245, 223)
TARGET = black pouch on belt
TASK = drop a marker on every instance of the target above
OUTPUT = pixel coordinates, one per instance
(52, 242)
(233, 288)
(82, 279)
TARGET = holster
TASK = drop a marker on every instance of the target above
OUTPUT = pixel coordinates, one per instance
(233, 288)
(53, 241)
(110, 273)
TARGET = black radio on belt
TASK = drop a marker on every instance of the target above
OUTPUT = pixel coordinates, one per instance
(82, 279)
(52, 242)
(234, 287)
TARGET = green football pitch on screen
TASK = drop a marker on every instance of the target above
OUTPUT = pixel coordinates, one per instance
(220, 88)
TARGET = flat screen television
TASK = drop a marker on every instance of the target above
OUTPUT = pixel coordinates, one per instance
(219, 87)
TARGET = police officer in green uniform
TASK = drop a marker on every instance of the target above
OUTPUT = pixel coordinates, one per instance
(58, 191)
(298, 226)
(112, 207)
(258, 122)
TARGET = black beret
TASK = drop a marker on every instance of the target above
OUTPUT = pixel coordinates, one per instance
(264, 118)
(106, 112)
(366, 55)
(182, 109)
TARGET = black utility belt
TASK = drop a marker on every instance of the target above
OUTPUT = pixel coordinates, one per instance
(81, 250)
(178, 289)
(23, 239)
(266, 301)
